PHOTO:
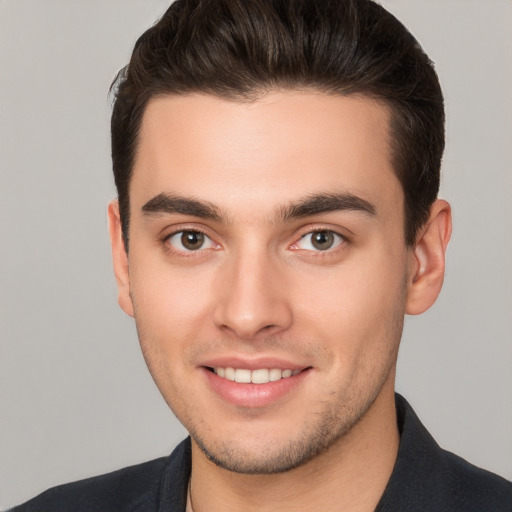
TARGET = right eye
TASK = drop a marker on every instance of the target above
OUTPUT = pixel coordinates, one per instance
(189, 241)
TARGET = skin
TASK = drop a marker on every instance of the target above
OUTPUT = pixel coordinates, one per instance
(259, 289)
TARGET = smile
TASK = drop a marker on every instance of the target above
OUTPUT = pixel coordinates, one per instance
(258, 376)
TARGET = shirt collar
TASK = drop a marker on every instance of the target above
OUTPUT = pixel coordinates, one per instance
(414, 473)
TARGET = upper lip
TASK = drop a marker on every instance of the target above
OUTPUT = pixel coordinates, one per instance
(253, 363)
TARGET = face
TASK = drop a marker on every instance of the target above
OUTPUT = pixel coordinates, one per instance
(267, 269)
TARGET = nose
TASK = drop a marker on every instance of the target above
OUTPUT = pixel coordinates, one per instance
(252, 297)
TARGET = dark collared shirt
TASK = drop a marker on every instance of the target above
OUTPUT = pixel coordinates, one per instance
(425, 479)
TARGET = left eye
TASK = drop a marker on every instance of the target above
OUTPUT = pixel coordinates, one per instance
(189, 241)
(319, 241)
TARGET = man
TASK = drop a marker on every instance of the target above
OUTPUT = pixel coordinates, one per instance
(277, 165)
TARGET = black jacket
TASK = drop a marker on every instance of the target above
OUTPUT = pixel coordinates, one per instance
(425, 479)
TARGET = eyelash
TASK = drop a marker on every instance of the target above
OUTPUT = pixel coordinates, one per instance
(342, 241)
(184, 252)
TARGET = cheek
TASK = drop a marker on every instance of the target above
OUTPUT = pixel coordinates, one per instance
(169, 298)
(356, 306)
(171, 314)
(168, 316)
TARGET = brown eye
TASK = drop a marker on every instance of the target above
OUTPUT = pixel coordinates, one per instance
(322, 240)
(190, 241)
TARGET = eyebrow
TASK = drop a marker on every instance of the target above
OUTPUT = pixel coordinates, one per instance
(314, 204)
(317, 204)
(169, 203)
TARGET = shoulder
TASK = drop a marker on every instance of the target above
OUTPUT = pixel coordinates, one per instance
(125, 489)
(427, 478)
(475, 489)
(134, 488)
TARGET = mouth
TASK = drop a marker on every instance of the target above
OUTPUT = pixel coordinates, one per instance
(255, 384)
(256, 376)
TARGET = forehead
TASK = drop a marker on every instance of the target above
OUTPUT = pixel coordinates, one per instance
(283, 145)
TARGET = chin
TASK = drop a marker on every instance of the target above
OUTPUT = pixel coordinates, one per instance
(270, 455)
(269, 460)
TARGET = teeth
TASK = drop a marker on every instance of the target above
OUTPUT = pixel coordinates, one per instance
(275, 374)
(243, 376)
(229, 373)
(260, 376)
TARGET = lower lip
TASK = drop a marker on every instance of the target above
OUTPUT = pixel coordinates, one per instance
(253, 395)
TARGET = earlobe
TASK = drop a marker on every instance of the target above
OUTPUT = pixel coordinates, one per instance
(119, 258)
(427, 264)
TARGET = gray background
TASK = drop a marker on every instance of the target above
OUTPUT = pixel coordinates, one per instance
(75, 396)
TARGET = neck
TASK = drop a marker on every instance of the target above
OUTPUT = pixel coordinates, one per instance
(350, 476)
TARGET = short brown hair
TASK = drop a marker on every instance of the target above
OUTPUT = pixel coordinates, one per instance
(239, 49)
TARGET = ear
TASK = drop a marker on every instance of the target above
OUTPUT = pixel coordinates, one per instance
(119, 258)
(427, 261)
